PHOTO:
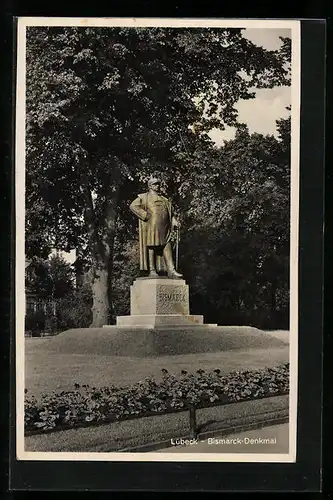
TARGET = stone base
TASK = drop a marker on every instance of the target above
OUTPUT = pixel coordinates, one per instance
(152, 320)
(156, 296)
(160, 302)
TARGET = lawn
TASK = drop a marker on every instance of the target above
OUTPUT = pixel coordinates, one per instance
(48, 369)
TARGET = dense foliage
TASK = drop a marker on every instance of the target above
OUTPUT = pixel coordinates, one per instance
(51, 278)
(235, 246)
(54, 301)
(108, 107)
(74, 310)
(86, 404)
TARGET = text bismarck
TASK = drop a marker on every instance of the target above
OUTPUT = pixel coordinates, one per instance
(175, 297)
(238, 440)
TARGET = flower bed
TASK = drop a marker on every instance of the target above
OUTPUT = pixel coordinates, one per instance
(88, 405)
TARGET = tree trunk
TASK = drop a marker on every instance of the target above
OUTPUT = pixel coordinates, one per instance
(99, 286)
(101, 232)
(102, 269)
(102, 274)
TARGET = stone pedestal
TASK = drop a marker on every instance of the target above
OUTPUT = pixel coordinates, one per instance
(159, 302)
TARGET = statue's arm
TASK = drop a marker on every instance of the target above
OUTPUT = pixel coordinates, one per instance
(136, 208)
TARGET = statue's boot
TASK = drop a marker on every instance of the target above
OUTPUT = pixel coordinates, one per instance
(174, 274)
(167, 254)
(152, 269)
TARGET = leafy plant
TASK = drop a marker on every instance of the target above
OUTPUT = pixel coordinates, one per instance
(85, 405)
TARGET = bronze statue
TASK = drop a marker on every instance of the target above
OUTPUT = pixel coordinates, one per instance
(156, 223)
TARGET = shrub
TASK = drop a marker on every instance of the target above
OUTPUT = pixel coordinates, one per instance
(35, 322)
(85, 405)
(74, 310)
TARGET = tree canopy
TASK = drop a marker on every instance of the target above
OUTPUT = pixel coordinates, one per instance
(51, 278)
(237, 219)
(106, 107)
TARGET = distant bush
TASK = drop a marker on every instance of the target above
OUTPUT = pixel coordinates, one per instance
(71, 311)
(74, 310)
(35, 322)
(86, 405)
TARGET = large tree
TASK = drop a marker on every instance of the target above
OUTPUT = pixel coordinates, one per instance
(106, 107)
(237, 237)
(51, 278)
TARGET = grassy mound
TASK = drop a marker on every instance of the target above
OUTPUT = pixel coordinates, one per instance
(143, 342)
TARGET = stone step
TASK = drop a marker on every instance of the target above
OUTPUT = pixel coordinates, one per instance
(153, 320)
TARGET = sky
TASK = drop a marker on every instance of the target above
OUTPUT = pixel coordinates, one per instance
(261, 112)
(70, 257)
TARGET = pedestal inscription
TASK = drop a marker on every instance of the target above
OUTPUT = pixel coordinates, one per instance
(159, 296)
(172, 299)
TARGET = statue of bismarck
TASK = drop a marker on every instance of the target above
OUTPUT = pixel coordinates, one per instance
(156, 223)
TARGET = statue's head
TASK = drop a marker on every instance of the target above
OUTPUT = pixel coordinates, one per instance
(154, 183)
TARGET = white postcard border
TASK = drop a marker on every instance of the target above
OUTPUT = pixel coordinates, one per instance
(23, 22)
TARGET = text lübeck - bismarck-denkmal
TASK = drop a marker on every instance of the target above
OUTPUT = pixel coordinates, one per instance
(226, 440)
